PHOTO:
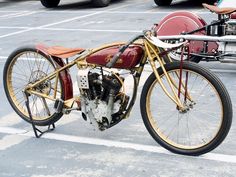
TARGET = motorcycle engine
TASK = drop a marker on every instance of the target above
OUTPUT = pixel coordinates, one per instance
(103, 102)
(231, 27)
(228, 49)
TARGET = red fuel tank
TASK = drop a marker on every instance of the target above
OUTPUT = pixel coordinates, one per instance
(129, 59)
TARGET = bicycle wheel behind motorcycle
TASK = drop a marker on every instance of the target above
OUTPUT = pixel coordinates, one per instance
(26, 66)
(202, 126)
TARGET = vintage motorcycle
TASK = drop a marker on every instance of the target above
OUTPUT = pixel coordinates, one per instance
(184, 106)
(210, 42)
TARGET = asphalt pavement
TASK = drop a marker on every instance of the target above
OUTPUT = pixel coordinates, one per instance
(74, 149)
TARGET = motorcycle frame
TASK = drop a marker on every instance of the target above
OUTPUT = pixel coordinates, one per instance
(151, 53)
(206, 54)
(205, 45)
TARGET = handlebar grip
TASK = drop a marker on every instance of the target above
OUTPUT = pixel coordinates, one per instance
(113, 60)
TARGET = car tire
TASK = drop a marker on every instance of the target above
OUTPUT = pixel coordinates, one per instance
(101, 3)
(209, 1)
(163, 2)
(50, 3)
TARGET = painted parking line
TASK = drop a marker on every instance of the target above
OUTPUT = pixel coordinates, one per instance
(84, 16)
(14, 27)
(116, 144)
(91, 30)
(11, 14)
(223, 70)
(72, 29)
(48, 25)
(156, 11)
(3, 59)
(15, 15)
(12, 11)
(15, 33)
(11, 140)
(9, 120)
(63, 21)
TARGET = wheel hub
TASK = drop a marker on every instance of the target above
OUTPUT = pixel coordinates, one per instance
(44, 87)
(187, 107)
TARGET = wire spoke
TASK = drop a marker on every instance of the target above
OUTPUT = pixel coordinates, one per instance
(193, 128)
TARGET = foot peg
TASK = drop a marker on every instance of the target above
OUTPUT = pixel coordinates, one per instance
(59, 105)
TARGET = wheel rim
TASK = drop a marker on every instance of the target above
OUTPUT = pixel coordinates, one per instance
(29, 67)
(191, 130)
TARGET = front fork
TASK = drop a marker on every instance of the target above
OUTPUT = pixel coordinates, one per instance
(175, 97)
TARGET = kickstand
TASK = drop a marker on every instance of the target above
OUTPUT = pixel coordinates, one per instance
(38, 133)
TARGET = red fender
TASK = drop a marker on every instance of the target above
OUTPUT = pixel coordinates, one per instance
(64, 75)
(66, 79)
(184, 21)
(233, 16)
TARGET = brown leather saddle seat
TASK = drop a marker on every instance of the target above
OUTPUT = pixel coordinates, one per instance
(59, 51)
(217, 10)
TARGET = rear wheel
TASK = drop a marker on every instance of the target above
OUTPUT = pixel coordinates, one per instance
(206, 120)
(163, 2)
(26, 66)
(101, 3)
(50, 3)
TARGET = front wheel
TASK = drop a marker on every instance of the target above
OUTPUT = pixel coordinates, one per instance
(101, 3)
(50, 3)
(207, 119)
(163, 2)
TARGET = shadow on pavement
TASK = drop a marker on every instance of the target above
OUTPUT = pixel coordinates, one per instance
(64, 5)
(185, 4)
(86, 4)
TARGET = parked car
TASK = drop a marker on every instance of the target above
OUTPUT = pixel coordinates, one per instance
(168, 2)
(55, 3)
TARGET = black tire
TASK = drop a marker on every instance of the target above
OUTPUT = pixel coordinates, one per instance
(208, 1)
(101, 3)
(50, 3)
(35, 69)
(159, 130)
(163, 2)
(195, 59)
